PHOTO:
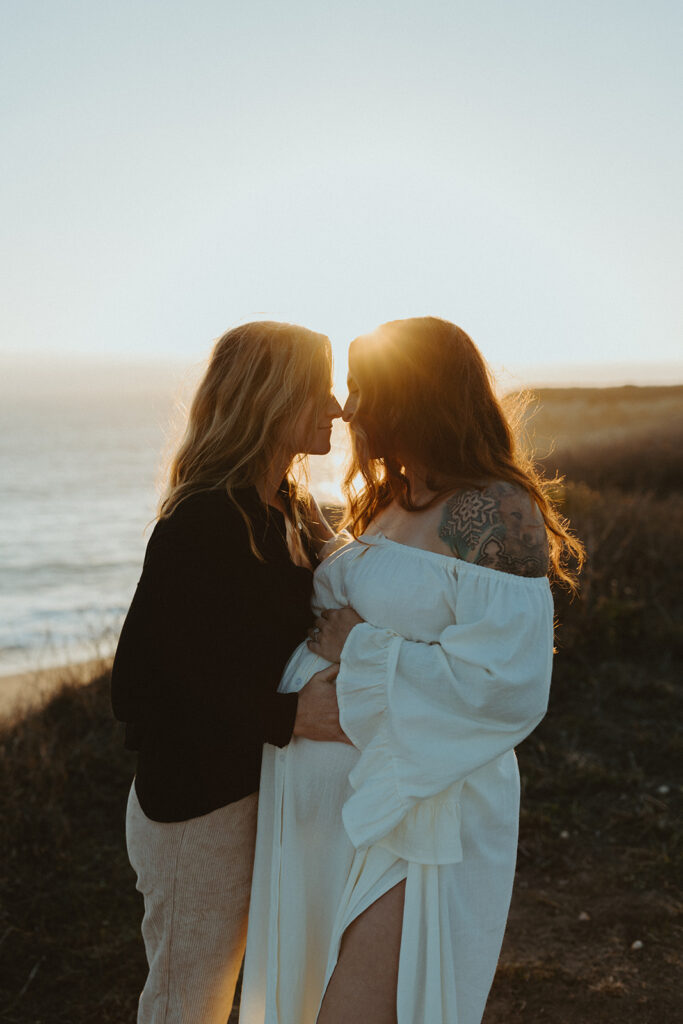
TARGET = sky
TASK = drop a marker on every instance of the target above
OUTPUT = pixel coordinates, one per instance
(170, 169)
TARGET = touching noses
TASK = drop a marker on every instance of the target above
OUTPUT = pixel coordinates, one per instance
(349, 409)
(334, 409)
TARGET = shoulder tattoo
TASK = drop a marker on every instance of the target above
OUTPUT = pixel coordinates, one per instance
(498, 527)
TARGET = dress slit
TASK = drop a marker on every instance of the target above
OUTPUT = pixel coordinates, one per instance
(374, 872)
(360, 913)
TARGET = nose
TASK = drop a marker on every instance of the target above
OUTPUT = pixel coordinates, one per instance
(349, 409)
(335, 409)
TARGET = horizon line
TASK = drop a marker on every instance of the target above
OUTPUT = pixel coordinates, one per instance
(598, 373)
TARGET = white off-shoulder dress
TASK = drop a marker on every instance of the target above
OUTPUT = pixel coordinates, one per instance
(449, 671)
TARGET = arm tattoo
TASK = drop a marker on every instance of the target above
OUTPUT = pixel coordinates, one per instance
(469, 515)
(497, 527)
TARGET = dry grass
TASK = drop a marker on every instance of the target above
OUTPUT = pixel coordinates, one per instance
(630, 598)
(626, 438)
(69, 918)
(648, 464)
(567, 418)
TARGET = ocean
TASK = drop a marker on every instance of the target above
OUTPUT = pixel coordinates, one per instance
(79, 477)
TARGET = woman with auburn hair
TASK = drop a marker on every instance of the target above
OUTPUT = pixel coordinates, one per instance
(384, 870)
(223, 600)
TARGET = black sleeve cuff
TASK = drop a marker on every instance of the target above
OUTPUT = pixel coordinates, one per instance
(277, 718)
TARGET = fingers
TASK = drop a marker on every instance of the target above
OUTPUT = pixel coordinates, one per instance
(314, 633)
(330, 614)
(325, 675)
(327, 617)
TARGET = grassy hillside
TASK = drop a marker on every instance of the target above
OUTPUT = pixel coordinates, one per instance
(630, 438)
(595, 928)
(570, 418)
(69, 914)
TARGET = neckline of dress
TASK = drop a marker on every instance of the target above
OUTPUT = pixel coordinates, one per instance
(456, 563)
(378, 535)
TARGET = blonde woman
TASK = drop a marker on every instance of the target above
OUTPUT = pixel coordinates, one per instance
(223, 599)
(384, 870)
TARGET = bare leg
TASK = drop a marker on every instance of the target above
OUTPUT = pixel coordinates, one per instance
(363, 984)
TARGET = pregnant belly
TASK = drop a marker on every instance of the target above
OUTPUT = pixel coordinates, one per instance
(316, 787)
(316, 774)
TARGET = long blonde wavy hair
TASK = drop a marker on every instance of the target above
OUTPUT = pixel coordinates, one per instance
(427, 400)
(259, 377)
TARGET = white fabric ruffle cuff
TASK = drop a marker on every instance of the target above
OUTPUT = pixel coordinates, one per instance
(365, 671)
(425, 831)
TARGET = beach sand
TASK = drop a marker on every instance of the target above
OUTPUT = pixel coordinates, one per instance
(25, 690)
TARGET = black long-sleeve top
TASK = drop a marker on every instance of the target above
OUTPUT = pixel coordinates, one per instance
(201, 652)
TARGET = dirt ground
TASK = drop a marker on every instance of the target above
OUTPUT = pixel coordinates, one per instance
(587, 948)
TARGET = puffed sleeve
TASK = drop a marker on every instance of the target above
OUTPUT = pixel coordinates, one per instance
(426, 715)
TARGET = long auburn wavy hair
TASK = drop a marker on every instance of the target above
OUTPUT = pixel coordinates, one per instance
(427, 401)
(259, 377)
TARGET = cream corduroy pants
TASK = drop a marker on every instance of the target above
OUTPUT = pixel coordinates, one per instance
(195, 877)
